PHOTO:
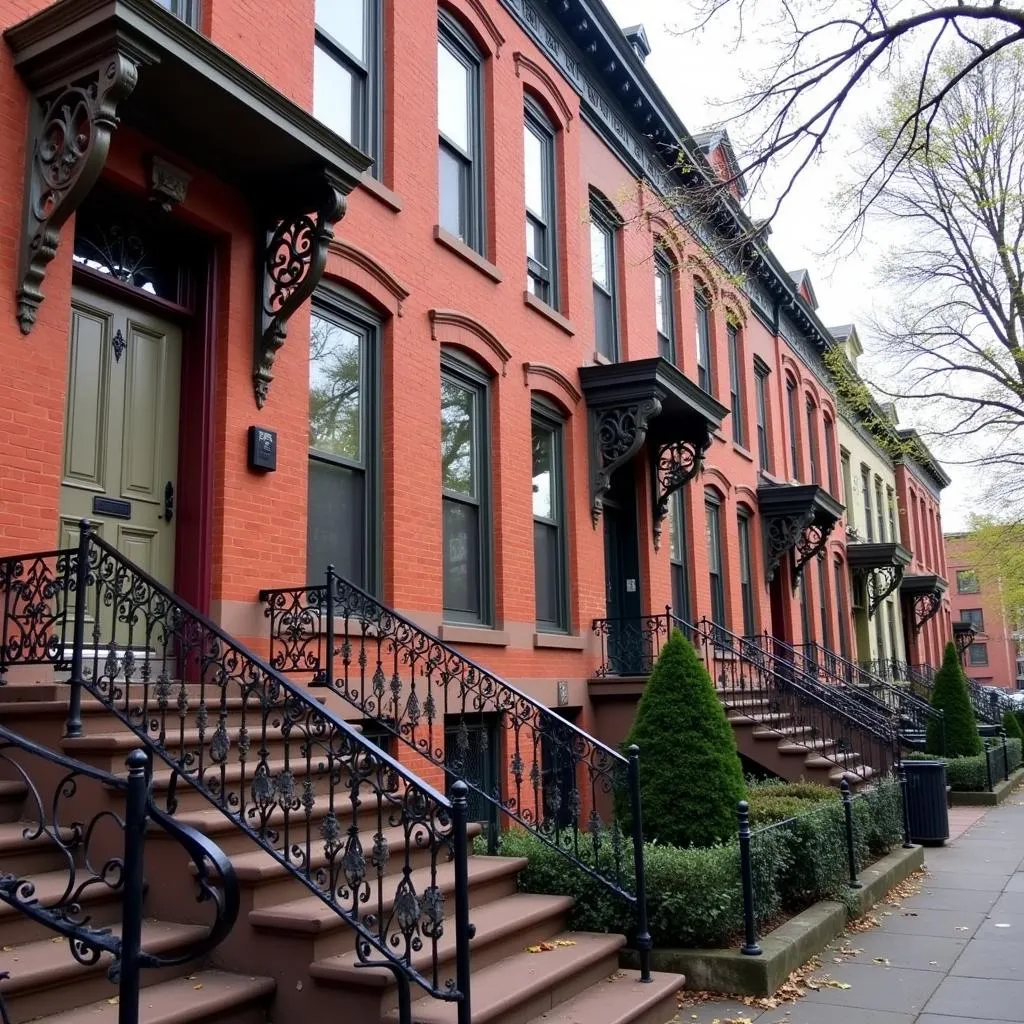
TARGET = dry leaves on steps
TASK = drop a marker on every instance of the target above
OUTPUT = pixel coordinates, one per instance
(547, 947)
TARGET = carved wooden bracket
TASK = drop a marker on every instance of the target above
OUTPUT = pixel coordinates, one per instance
(292, 264)
(675, 465)
(70, 126)
(926, 606)
(880, 582)
(618, 434)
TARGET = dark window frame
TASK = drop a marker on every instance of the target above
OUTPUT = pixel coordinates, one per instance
(977, 655)
(865, 483)
(792, 393)
(368, 127)
(744, 519)
(880, 514)
(972, 588)
(608, 224)
(890, 505)
(467, 374)
(346, 311)
(546, 276)
(679, 568)
(548, 418)
(664, 273)
(977, 621)
(890, 625)
(830, 454)
(705, 355)
(739, 420)
(813, 446)
(716, 578)
(826, 618)
(472, 198)
(188, 11)
(846, 469)
(839, 575)
(764, 449)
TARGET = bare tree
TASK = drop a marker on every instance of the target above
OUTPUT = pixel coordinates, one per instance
(827, 54)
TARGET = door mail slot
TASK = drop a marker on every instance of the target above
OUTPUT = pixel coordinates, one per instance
(116, 508)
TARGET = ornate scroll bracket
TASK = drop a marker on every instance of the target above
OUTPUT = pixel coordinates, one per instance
(675, 465)
(783, 534)
(880, 582)
(964, 634)
(69, 138)
(811, 544)
(618, 434)
(926, 606)
(291, 266)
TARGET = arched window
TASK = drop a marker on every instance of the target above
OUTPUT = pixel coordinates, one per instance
(716, 562)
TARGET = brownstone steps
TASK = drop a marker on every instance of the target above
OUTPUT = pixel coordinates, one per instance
(100, 902)
(205, 996)
(12, 798)
(621, 998)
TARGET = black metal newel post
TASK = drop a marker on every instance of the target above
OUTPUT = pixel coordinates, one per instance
(131, 922)
(329, 611)
(643, 931)
(851, 852)
(750, 946)
(907, 844)
(1006, 759)
(73, 725)
(464, 931)
(988, 765)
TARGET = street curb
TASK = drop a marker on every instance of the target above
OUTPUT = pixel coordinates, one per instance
(788, 946)
(993, 799)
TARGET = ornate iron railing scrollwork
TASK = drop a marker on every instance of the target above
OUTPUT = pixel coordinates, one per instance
(630, 646)
(292, 264)
(675, 465)
(618, 434)
(522, 762)
(359, 830)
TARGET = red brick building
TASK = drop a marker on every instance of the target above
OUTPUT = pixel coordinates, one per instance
(994, 658)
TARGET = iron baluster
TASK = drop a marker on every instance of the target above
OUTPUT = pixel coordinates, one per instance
(750, 946)
(851, 851)
(464, 931)
(329, 602)
(643, 934)
(73, 726)
(131, 922)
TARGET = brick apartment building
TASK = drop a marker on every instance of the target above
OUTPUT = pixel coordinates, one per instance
(395, 287)
(996, 655)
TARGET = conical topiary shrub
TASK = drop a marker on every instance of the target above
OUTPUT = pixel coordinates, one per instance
(690, 774)
(1012, 726)
(949, 694)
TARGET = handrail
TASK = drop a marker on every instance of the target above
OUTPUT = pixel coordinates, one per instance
(74, 841)
(256, 746)
(522, 761)
(989, 706)
(836, 721)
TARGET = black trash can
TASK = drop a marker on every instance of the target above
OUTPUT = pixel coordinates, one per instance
(926, 801)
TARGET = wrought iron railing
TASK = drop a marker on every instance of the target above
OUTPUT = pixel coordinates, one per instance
(630, 646)
(345, 819)
(871, 686)
(990, 704)
(523, 763)
(86, 845)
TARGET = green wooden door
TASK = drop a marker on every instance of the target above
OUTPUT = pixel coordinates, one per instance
(121, 431)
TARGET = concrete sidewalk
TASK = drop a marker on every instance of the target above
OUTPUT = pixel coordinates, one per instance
(955, 952)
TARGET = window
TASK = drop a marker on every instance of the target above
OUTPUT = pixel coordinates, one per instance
(844, 615)
(826, 620)
(550, 577)
(702, 311)
(805, 610)
(664, 312)
(967, 582)
(739, 429)
(812, 441)
(346, 59)
(830, 454)
(794, 446)
(879, 633)
(975, 616)
(603, 273)
(890, 504)
(713, 517)
(865, 486)
(977, 654)
(890, 621)
(746, 581)
(761, 390)
(341, 527)
(844, 459)
(880, 509)
(678, 557)
(186, 10)
(460, 136)
(465, 483)
(541, 241)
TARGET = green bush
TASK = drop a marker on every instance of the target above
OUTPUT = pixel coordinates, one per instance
(690, 774)
(1012, 726)
(694, 895)
(949, 695)
(969, 774)
(776, 800)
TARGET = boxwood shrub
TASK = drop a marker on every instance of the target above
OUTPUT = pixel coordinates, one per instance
(968, 774)
(694, 894)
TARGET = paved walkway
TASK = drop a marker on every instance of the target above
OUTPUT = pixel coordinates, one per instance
(954, 952)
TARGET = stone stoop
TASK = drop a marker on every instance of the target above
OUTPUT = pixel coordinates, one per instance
(290, 958)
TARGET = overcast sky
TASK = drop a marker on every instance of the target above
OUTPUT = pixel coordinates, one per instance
(695, 73)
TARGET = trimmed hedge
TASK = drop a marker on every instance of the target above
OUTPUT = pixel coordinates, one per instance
(694, 894)
(691, 777)
(968, 774)
(775, 800)
(1012, 726)
(958, 734)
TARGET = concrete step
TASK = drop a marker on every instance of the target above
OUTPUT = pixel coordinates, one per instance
(621, 998)
(216, 997)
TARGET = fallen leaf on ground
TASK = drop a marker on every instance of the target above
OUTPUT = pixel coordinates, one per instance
(547, 947)
(881, 960)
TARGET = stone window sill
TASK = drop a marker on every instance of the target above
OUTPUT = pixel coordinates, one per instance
(742, 452)
(549, 313)
(464, 252)
(453, 634)
(559, 641)
(381, 192)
